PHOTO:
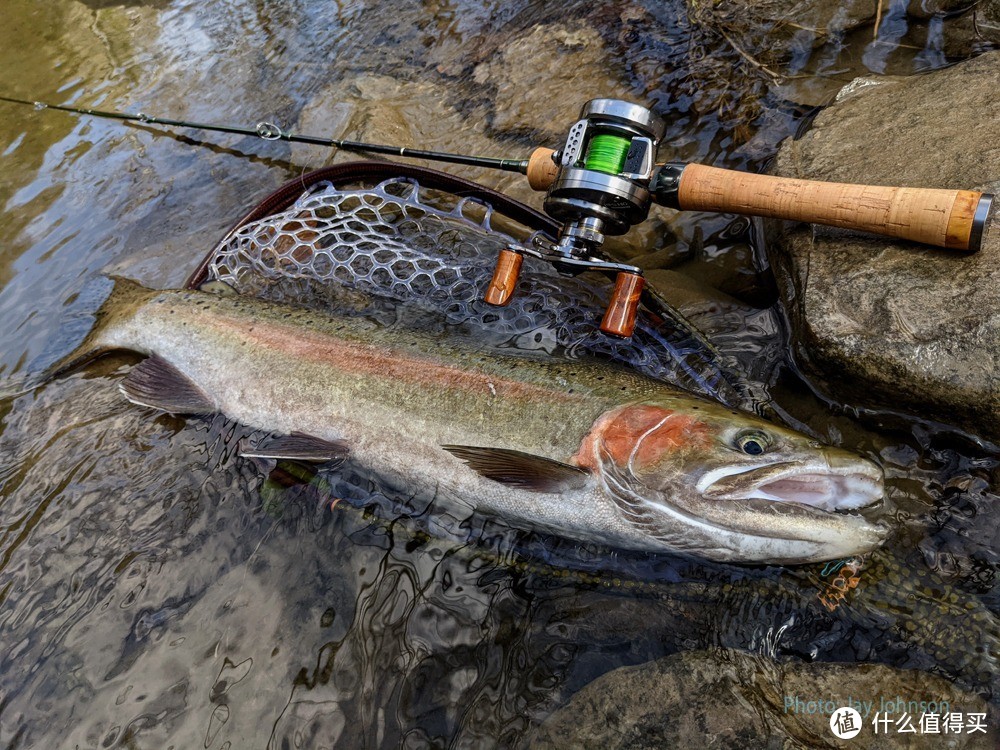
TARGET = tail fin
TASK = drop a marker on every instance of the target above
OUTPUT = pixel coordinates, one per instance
(120, 304)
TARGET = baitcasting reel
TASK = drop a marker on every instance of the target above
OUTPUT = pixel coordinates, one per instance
(604, 178)
(598, 185)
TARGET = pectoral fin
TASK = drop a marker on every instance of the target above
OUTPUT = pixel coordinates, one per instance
(156, 383)
(299, 447)
(521, 470)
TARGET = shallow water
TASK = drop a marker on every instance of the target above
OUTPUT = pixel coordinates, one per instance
(154, 593)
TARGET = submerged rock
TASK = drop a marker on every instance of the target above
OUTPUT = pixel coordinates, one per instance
(890, 324)
(782, 39)
(786, 16)
(725, 698)
(989, 20)
(544, 76)
(381, 109)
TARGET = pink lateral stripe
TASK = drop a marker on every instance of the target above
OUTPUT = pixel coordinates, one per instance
(384, 362)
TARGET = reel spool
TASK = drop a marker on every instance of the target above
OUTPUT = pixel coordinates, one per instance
(605, 168)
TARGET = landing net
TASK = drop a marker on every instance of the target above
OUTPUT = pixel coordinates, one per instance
(404, 254)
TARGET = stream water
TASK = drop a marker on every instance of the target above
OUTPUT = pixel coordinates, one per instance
(155, 593)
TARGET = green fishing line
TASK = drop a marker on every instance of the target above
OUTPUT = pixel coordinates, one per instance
(606, 153)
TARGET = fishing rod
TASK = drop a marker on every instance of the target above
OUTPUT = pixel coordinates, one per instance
(604, 179)
(268, 131)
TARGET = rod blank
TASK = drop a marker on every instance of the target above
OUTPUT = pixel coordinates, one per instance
(271, 132)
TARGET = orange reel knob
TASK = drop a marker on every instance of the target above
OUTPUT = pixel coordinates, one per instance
(623, 309)
(501, 287)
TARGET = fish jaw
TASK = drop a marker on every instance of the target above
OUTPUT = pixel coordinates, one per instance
(831, 481)
(676, 475)
(755, 532)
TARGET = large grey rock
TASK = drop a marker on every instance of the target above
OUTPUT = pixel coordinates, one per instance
(730, 699)
(889, 324)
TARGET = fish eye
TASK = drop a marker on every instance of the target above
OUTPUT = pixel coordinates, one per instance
(752, 442)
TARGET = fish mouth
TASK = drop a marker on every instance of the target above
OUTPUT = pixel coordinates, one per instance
(823, 486)
(799, 511)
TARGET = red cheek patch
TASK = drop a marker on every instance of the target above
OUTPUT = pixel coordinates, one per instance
(654, 429)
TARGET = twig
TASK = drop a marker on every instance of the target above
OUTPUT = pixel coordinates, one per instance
(817, 30)
(894, 45)
(747, 56)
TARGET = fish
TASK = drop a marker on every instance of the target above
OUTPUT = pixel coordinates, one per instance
(583, 449)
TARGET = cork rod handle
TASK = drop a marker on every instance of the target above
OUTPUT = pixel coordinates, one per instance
(952, 219)
(542, 171)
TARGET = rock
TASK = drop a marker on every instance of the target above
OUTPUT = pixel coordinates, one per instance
(380, 109)
(692, 298)
(542, 79)
(971, 32)
(928, 8)
(786, 15)
(725, 699)
(817, 15)
(775, 36)
(989, 19)
(665, 257)
(909, 327)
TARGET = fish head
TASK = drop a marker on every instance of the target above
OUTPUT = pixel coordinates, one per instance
(727, 485)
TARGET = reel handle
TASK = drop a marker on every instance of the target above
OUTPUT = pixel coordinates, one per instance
(952, 219)
(620, 315)
(623, 309)
(504, 279)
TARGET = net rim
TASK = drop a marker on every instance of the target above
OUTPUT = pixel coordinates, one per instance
(286, 195)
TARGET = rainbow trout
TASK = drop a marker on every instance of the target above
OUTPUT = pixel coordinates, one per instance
(582, 449)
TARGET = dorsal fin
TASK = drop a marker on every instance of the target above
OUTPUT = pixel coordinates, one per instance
(522, 470)
(156, 383)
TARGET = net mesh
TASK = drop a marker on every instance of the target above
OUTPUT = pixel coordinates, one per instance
(398, 252)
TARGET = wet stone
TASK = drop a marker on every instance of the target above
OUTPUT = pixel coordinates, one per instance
(693, 298)
(888, 324)
(774, 36)
(542, 78)
(419, 114)
(928, 8)
(787, 17)
(989, 19)
(727, 699)
(969, 34)
(790, 16)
